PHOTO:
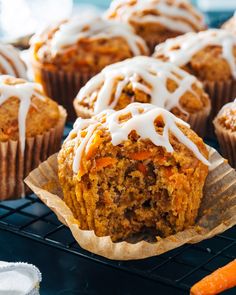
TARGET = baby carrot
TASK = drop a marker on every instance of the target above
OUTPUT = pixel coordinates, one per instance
(222, 279)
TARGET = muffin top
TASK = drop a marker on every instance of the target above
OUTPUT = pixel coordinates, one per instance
(146, 80)
(143, 122)
(227, 116)
(209, 55)
(24, 110)
(175, 15)
(230, 24)
(86, 44)
(10, 62)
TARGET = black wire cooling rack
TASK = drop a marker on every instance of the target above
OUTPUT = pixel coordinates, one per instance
(180, 268)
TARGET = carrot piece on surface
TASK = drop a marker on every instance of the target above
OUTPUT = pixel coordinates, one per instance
(142, 168)
(104, 162)
(144, 155)
(93, 146)
(222, 279)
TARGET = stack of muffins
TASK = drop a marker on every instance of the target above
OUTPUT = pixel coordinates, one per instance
(144, 79)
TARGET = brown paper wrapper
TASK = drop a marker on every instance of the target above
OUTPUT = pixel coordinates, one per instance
(15, 166)
(61, 86)
(198, 121)
(227, 141)
(217, 212)
(220, 93)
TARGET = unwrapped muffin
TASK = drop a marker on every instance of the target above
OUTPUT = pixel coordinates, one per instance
(66, 56)
(211, 57)
(134, 171)
(146, 80)
(225, 129)
(157, 20)
(230, 24)
(11, 62)
(31, 127)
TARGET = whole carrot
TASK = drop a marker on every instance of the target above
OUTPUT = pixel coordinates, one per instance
(218, 281)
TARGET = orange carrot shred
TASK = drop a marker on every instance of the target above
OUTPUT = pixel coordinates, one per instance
(104, 162)
(222, 279)
(142, 168)
(93, 147)
(144, 155)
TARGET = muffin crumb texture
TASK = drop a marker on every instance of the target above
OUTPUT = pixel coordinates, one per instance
(86, 45)
(144, 80)
(157, 20)
(209, 55)
(24, 110)
(136, 171)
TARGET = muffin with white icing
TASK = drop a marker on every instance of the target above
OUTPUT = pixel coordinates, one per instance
(230, 24)
(210, 56)
(137, 171)
(225, 129)
(11, 62)
(31, 128)
(66, 56)
(146, 80)
(157, 20)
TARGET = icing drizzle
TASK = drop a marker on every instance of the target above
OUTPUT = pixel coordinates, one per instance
(24, 92)
(181, 49)
(95, 28)
(176, 15)
(142, 118)
(11, 62)
(144, 73)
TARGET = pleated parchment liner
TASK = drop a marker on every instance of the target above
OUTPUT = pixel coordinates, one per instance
(198, 121)
(61, 86)
(217, 212)
(15, 166)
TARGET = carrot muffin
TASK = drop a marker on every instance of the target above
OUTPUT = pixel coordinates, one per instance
(66, 56)
(157, 20)
(31, 127)
(230, 24)
(225, 128)
(146, 80)
(210, 56)
(134, 171)
(11, 62)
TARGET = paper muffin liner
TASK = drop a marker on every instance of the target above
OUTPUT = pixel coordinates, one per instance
(198, 121)
(227, 141)
(62, 86)
(216, 214)
(15, 166)
(220, 93)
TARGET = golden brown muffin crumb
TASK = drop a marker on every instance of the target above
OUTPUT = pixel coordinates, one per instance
(134, 187)
(203, 54)
(43, 114)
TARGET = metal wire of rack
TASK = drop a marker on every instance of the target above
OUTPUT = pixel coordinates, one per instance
(29, 217)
